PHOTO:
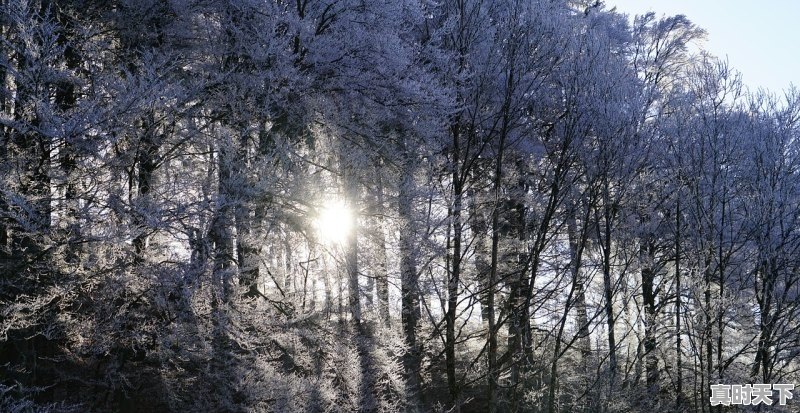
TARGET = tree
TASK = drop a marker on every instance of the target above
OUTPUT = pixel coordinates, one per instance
(502, 205)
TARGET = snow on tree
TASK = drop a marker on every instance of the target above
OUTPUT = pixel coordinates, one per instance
(341, 205)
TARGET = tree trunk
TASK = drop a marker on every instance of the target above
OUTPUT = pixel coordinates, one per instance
(353, 290)
(65, 100)
(492, 366)
(382, 275)
(709, 329)
(147, 163)
(480, 229)
(248, 218)
(350, 245)
(577, 243)
(679, 352)
(604, 235)
(6, 106)
(409, 286)
(220, 232)
(647, 251)
(762, 364)
(453, 281)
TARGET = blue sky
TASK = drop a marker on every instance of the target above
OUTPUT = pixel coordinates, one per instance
(761, 39)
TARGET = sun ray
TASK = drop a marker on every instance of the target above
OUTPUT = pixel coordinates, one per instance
(334, 222)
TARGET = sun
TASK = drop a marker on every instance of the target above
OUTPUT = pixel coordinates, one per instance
(334, 222)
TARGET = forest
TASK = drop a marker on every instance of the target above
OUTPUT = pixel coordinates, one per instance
(388, 206)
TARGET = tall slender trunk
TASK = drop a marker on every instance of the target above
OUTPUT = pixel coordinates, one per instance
(577, 243)
(248, 249)
(248, 215)
(492, 366)
(147, 163)
(519, 328)
(369, 292)
(66, 99)
(68, 166)
(4, 253)
(353, 290)
(221, 235)
(764, 277)
(6, 106)
(409, 286)
(604, 234)
(679, 352)
(480, 228)
(721, 264)
(221, 230)
(455, 271)
(351, 247)
(452, 300)
(382, 286)
(646, 252)
(382, 275)
(609, 309)
(288, 266)
(709, 327)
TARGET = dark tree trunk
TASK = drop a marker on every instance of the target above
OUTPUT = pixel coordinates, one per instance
(351, 246)
(409, 287)
(147, 164)
(454, 279)
(678, 303)
(220, 232)
(382, 275)
(480, 229)
(649, 303)
(249, 215)
(604, 235)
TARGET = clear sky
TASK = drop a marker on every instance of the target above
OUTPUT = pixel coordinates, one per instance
(761, 39)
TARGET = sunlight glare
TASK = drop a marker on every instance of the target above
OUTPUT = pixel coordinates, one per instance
(335, 222)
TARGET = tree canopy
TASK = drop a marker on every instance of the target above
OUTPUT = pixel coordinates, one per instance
(344, 205)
